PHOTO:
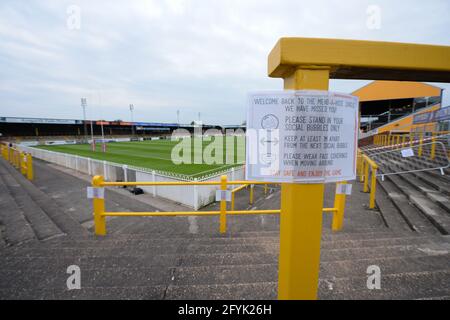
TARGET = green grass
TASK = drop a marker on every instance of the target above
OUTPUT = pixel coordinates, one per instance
(151, 154)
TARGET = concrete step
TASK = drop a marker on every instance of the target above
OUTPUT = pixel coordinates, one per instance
(410, 213)
(390, 214)
(229, 241)
(430, 273)
(208, 253)
(241, 291)
(42, 225)
(436, 215)
(64, 222)
(438, 184)
(414, 285)
(15, 228)
(434, 195)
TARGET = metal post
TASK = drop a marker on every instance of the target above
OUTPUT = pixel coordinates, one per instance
(99, 209)
(223, 205)
(30, 172)
(420, 144)
(232, 200)
(433, 146)
(252, 193)
(373, 188)
(366, 177)
(339, 205)
(22, 163)
(301, 225)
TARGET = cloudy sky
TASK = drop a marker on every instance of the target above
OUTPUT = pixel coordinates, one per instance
(163, 56)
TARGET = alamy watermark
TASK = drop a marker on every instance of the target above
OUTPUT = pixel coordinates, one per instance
(213, 147)
(373, 21)
(73, 20)
(74, 280)
(373, 277)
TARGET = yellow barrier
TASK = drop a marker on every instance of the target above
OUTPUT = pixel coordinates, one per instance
(100, 214)
(373, 183)
(20, 160)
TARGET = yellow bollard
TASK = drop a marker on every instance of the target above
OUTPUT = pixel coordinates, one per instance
(30, 172)
(420, 144)
(338, 216)
(23, 164)
(265, 189)
(411, 139)
(301, 215)
(433, 146)
(99, 208)
(252, 189)
(223, 205)
(398, 140)
(403, 140)
(373, 188)
(361, 172)
(366, 177)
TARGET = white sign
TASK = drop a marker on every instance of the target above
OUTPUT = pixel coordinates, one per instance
(223, 195)
(407, 153)
(342, 188)
(97, 193)
(301, 136)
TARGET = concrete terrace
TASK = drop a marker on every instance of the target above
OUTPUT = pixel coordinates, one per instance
(46, 226)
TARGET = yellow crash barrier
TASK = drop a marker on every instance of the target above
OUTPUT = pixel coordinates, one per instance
(100, 214)
(20, 160)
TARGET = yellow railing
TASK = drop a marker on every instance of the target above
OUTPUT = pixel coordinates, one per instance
(412, 138)
(21, 160)
(100, 214)
(364, 164)
(251, 193)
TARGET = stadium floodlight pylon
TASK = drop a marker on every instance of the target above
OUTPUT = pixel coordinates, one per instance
(308, 63)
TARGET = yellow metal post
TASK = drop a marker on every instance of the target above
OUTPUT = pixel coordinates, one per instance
(252, 189)
(265, 189)
(366, 176)
(307, 63)
(301, 215)
(411, 139)
(16, 159)
(433, 146)
(223, 205)
(420, 144)
(99, 208)
(23, 164)
(232, 200)
(338, 215)
(373, 188)
(361, 176)
(30, 172)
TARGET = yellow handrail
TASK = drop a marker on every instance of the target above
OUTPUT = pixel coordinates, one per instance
(366, 163)
(100, 214)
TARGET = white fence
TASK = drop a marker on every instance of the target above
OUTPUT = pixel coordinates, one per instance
(192, 196)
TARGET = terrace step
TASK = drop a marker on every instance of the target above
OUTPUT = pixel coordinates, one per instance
(432, 194)
(42, 225)
(391, 215)
(64, 222)
(438, 217)
(438, 184)
(14, 227)
(411, 214)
